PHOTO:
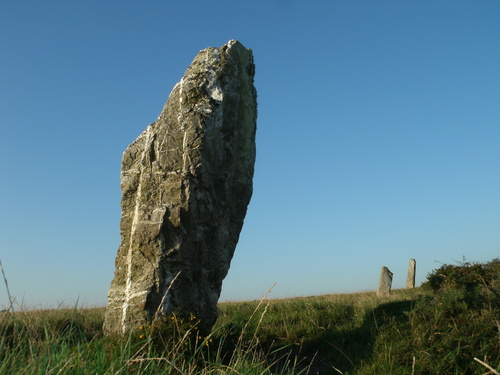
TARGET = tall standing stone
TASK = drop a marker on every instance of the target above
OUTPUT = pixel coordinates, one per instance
(410, 280)
(186, 182)
(385, 282)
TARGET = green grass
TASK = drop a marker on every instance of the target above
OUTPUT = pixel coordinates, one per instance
(429, 330)
(322, 331)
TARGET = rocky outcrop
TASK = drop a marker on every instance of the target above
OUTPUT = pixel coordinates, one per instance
(410, 280)
(385, 282)
(186, 182)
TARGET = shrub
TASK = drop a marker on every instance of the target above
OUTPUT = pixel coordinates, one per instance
(446, 331)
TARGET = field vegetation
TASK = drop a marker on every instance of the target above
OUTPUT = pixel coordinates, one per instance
(450, 325)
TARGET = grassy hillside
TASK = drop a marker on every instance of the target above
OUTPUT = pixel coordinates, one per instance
(437, 329)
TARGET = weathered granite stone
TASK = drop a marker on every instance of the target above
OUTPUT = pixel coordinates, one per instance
(385, 283)
(186, 182)
(410, 280)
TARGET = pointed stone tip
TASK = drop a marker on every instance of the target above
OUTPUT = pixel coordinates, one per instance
(233, 42)
(228, 46)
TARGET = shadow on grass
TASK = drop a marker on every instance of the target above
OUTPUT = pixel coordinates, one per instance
(343, 351)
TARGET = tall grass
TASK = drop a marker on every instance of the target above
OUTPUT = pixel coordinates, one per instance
(450, 329)
(70, 341)
(300, 335)
(69, 344)
(325, 332)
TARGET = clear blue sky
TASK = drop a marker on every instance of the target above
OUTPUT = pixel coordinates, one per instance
(378, 137)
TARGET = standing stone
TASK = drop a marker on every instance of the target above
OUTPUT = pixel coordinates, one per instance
(410, 280)
(385, 283)
(186, 183)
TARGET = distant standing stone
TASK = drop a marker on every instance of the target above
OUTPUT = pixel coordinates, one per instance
(410, 280)
(385, 283)
(186, 183)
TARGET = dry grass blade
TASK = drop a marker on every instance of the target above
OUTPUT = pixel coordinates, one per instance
(134, 357)
(256, 309)
(158, 311)
(11, 301)
(157, 360)
(341, 352)
(63, 366)
(492, 370)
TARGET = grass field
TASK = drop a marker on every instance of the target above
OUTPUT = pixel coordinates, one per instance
(446, 328)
